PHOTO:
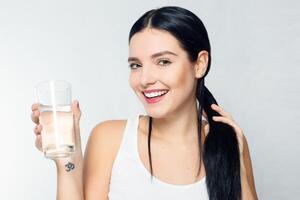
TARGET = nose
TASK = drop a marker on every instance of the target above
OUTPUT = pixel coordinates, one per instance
(148, 76)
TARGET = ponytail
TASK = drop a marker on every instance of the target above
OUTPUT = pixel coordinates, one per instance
(220, 151)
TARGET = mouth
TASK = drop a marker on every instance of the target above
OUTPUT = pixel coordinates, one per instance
(154, 97)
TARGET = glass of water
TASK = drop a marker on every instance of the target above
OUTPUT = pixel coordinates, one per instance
(56, 117)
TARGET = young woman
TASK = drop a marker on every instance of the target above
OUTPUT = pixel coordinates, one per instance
(186, 147)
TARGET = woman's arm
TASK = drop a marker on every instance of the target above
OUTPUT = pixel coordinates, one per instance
(100, 154)
(247, 179)
(69, 170)
(69, 179)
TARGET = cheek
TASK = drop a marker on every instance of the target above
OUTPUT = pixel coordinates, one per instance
(182, 78)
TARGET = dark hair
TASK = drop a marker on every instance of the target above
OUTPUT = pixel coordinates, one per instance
(220, 150)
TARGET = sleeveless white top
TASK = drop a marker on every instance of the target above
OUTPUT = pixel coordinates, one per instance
(130, 180)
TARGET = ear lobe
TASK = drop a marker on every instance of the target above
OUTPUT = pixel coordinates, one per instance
(198, 72)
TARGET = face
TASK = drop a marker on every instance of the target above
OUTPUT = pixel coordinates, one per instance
(157, 62)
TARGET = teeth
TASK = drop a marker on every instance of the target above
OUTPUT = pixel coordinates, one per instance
(154, 94)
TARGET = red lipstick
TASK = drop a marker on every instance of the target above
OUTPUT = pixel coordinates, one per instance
(152, 100)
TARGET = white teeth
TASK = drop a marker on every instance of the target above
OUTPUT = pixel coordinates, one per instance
(154, 94)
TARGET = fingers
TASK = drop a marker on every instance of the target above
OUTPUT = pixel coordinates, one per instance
(227, 121)
(38, 142)
(34, 106)
(77, 114)
(225, 117)
(37, 129)
(35, 116)
(76, 110)
(221, 111)
(35, 113)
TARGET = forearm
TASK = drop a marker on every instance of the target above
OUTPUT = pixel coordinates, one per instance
(247, 193)
(69, 179)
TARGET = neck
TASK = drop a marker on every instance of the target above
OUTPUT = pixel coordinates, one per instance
(177, 127)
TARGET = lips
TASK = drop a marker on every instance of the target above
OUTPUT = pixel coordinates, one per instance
(155, 96)
(155, 99)
(154, 90)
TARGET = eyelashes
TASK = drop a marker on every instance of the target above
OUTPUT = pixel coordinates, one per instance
(132, 65)
(162, 62)
(166, 62)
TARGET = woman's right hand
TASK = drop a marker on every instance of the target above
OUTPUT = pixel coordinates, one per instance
(77, 157)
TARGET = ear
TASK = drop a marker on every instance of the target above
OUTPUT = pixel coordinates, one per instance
(201, 64)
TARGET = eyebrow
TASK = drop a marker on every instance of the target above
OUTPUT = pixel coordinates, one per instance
(154, 55)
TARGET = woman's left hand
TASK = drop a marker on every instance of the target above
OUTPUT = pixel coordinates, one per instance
(247, 179)
(226, 118)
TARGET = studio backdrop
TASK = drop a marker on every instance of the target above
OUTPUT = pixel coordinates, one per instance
(254, 76)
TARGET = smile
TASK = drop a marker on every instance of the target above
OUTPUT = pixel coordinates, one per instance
(154, 97)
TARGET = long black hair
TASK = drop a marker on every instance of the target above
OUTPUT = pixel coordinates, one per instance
(220, 151)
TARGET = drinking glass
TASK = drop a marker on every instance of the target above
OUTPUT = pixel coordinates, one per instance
(54, 98)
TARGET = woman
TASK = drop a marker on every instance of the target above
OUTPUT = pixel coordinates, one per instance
(187, 147)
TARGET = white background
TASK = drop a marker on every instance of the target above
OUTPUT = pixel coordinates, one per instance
(254, 76)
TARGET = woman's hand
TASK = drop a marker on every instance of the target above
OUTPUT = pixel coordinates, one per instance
(69, 170)
(38, 128)
(247, 178)
(226, 118)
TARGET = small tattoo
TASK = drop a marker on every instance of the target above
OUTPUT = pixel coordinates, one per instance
(69, 166)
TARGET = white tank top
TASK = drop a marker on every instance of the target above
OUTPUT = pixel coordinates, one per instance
(130, 180)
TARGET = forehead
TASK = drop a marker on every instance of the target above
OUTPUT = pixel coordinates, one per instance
(151, 40)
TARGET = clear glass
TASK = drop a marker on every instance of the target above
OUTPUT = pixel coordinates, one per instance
(56, 117)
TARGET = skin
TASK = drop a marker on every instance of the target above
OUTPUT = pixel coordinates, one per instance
(174, 124)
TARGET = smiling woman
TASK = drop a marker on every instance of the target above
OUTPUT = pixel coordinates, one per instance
(179, 37)
(169, 59)
(186, 147)
(178, 76)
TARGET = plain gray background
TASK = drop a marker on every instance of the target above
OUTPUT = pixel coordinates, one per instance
(254, 76)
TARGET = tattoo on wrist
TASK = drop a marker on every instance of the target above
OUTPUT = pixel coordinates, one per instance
(69, 166)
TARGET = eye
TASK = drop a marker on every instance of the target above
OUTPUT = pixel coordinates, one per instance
(133, 65)
(164, 62)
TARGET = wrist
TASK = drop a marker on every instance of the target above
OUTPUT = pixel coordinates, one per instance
(69, 164)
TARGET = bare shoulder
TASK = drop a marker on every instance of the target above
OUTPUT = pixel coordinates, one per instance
(101, 150)
(106, 135)
(109, 129)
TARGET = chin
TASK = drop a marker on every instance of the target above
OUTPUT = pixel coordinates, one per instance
(157, 113)
(154, 113)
